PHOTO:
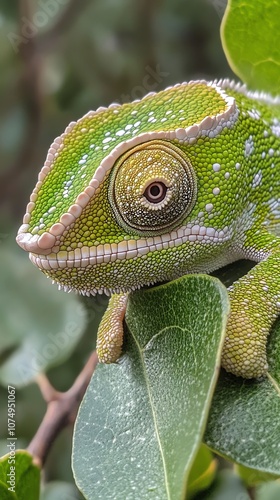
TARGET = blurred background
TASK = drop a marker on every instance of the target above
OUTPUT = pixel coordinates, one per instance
(59, 59)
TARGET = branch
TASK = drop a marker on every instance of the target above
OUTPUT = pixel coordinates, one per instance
(61, 410)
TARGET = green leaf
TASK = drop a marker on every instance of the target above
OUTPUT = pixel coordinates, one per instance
(250, 33)
(19, 477)
(39, 326)
(141, 421)
(244, 422)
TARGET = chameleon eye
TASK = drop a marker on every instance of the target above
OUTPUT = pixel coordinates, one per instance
(155, 192)
(152, 188)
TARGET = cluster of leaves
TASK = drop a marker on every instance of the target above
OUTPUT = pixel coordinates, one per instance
(154, 405)
(148, 425)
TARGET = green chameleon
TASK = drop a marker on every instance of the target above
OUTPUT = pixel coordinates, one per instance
(182, 181)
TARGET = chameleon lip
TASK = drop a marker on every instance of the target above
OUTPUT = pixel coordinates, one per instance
(130, 249)
(34, 243)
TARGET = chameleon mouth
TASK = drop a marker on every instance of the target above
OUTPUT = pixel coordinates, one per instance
(33, 243)
(128, 249)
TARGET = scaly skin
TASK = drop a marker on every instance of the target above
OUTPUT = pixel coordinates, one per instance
(182, 181)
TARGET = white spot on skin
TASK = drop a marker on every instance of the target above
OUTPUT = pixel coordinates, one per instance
(271, 152)
(275, 128)
(257, 179)
(209, 207)
(119, 133)
(274, 206)
(216, 191)
(254, 114)
(216, 167)
(108, 139)
(263, 155)
(237, 166)
(249, 147)
(227, 175)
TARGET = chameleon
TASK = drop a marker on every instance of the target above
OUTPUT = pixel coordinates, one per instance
(184, 180)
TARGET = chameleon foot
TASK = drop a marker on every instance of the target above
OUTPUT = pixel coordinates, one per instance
(254, 301)
(110, 331)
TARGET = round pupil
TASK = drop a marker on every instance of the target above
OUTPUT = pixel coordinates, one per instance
(155, 192)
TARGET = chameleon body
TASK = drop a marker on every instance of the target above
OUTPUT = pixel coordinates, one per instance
(183, 181)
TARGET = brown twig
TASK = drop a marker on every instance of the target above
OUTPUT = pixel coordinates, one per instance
(48, 392)
(61, 410)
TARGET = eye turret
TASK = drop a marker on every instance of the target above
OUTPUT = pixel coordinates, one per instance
(152, 188)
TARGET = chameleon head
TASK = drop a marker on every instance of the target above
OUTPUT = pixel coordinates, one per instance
(125, 196)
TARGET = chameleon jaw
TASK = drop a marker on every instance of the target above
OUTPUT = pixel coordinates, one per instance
(84, 269)
(127, 249)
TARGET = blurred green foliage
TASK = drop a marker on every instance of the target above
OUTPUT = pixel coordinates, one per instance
(60, 58)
